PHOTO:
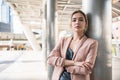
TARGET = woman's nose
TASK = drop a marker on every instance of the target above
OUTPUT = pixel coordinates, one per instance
(77, 21)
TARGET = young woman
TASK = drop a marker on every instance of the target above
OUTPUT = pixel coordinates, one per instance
(73, 57)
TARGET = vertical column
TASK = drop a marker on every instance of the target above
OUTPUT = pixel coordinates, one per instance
(44, 35)
(50, 30)
(56, 28)
(99, 17)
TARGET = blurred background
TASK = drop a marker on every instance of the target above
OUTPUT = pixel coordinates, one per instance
(29, 29)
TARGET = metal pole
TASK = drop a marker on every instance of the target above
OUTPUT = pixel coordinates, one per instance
(44, 35)
(100, 19)
(50, 30)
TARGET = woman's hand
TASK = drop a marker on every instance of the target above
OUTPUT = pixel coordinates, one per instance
(71, 68)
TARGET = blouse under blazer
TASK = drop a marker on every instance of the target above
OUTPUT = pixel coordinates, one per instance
(86, 51)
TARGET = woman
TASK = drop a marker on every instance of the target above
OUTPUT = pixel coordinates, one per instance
(73, 57)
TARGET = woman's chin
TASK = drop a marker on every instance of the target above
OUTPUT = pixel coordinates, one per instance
(78, 30)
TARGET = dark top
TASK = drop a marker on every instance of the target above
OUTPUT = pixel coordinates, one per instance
(66, 75)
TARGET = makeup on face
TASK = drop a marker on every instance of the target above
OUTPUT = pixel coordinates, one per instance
(77, 19)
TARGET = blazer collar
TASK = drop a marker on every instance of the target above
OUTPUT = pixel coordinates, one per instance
(68, 41)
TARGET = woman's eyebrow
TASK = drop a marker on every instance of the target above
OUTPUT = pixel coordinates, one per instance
(73, 17)
(78, 18)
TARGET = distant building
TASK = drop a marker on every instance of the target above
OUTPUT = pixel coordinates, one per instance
(116, 38)
(5, 18)
(4, 27)
(116, 30)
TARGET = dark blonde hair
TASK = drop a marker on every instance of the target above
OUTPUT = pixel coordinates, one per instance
(81, 12)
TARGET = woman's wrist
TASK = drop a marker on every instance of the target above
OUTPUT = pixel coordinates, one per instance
(73, 63)
(69, 63)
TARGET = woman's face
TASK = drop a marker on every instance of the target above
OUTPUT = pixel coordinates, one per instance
(78, 22)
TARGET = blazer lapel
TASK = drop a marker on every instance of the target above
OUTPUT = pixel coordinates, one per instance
(84, 38)
(66, 45)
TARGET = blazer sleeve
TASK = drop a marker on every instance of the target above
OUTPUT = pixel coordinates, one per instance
(54, 57)
(87, 66)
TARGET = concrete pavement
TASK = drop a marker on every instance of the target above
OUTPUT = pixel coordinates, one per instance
(22, 66)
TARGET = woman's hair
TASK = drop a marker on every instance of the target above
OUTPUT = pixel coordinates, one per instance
(81, 12)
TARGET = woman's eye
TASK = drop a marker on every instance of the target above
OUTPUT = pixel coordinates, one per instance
(80, 19)
(74, 20)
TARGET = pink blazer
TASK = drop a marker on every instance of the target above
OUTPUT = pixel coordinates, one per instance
(86, 51)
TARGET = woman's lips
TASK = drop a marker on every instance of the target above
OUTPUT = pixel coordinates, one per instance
(77, 26)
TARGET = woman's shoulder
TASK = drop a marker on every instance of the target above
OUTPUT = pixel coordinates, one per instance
(63, 40)
(92, 40)
(66, 37)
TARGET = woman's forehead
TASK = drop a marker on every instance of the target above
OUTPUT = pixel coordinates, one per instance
(80, 15)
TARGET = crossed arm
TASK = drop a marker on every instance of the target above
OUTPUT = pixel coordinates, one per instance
(74, 67)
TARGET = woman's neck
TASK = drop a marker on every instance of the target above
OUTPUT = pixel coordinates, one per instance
(77, 36)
